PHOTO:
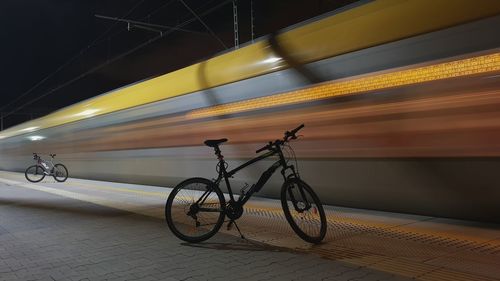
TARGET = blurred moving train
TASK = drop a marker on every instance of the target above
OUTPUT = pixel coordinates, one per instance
(400, 100)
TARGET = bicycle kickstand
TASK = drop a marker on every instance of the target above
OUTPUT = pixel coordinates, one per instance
(235, 224)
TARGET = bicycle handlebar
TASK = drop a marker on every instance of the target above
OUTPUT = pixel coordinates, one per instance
(292, 133)
(288, 134)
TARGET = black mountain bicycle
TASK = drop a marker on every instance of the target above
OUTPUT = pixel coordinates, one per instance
(44, 168)
(196, 208)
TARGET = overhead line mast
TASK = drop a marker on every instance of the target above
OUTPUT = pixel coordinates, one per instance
(251, 21)
(235, 22)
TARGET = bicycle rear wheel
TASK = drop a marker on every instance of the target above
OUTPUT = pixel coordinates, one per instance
(303, 210)
(34, 173)
(60, 173)
(194, 210)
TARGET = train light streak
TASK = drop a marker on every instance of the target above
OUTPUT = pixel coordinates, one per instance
(452, 69)
(36, 138)
(87, 112)
(30, 129)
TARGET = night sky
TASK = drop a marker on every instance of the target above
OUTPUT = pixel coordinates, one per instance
(40, 37)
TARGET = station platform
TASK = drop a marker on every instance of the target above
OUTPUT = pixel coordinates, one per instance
(94, 230)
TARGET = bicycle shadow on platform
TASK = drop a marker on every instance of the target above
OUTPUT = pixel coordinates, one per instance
(244, 245)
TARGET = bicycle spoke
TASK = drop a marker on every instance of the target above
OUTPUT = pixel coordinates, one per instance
(304, 211)
(194, 210)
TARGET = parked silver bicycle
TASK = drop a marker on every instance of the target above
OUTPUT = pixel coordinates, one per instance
(42, 168)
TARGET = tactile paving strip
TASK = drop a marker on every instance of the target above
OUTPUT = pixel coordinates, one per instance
(400, 247)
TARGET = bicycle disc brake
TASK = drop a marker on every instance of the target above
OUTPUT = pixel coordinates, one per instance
(300, 204)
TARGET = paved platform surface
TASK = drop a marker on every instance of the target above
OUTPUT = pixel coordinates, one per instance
(90, 230)
(52, 231)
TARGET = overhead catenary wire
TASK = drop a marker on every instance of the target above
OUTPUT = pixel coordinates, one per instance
(108, 38)
(147, 25)
(147, 18)
(68, 62)
(204, 24)
(140, 46)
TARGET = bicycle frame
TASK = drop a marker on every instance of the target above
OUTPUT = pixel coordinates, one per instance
(49, 163)
(244, 197)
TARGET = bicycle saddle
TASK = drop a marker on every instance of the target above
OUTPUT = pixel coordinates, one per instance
(214, 143)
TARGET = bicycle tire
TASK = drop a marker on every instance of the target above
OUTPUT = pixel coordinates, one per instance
(180, 203)
(308, 223)
(59, 168)
(38, 170)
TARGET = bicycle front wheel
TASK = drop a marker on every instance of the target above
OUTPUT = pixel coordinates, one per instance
(60, 173)
(195, 210)
(303, 210)
(34, 173)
